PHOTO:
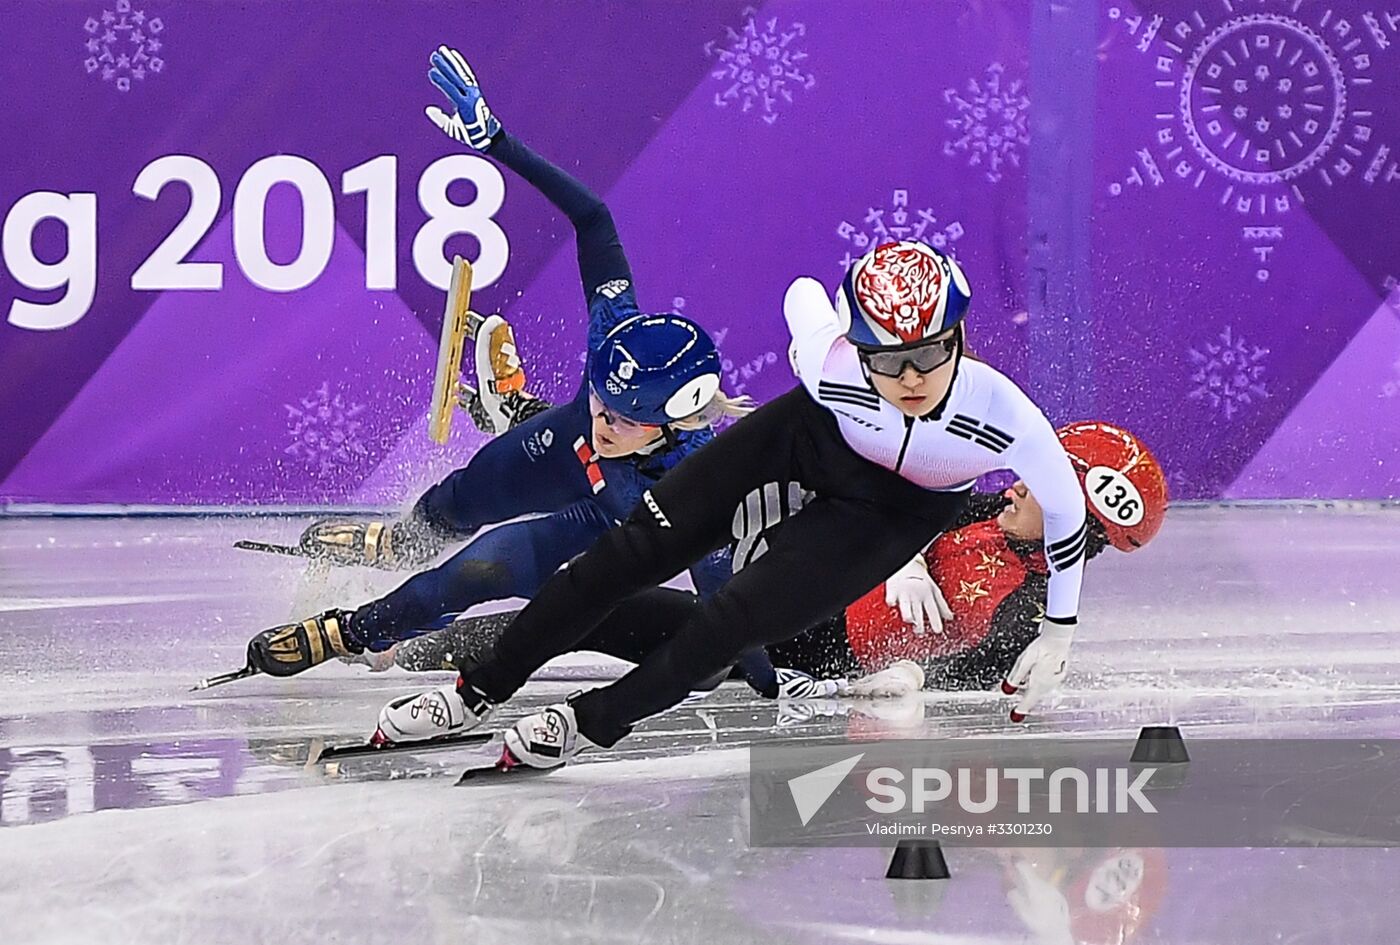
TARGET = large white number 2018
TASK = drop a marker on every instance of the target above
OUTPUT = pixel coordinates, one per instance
(377, 179)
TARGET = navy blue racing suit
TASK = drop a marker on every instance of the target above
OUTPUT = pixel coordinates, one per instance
(545, 466)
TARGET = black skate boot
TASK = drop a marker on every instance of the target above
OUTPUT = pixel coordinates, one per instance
(388, 546)
(296, 647)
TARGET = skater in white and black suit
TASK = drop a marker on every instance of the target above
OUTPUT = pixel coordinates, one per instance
(886, 434)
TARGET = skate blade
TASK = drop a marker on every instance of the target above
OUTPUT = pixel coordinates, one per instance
(506, 766)
(456, 319)
(269, 548)
(375, 747)
(212, 681)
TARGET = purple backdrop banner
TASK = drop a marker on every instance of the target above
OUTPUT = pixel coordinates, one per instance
(226, 225)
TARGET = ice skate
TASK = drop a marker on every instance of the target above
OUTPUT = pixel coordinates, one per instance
(388, 546)
(546, 739)
(296, 647)
(500, 400)
(446, 710)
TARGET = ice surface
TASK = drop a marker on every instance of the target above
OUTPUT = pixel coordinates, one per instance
(134, 811)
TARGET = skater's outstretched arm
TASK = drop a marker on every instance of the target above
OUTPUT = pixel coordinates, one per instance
(601, 259)
(1040, 460)
(602, 263)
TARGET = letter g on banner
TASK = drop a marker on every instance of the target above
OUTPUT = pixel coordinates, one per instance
(76, 271)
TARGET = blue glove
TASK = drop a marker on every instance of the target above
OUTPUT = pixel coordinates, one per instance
(472, 123)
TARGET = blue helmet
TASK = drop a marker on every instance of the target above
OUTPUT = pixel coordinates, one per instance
(655, 369)
(900, 294)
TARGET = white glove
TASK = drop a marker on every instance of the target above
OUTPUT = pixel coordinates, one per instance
(1039, 668)
(900, 678)
(1041, 906)
(795, 684)
(918, 598)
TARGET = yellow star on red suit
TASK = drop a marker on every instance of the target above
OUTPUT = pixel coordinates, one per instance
(990, 565)
(970, 591)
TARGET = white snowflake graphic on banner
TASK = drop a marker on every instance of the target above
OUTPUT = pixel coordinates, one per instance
(760, 65)
(893, 223)
(1229, 374)
(123, 44)
(989, 124)
(325, 430)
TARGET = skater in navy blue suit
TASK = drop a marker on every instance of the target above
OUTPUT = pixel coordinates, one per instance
(648, 398)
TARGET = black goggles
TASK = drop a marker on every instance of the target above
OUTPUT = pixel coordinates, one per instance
(923, 358)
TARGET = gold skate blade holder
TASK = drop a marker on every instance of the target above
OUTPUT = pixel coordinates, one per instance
(458, 324)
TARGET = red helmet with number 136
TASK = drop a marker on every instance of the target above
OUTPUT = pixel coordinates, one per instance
(1123, 482)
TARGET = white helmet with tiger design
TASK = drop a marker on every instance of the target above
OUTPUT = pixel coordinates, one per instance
(901, 294)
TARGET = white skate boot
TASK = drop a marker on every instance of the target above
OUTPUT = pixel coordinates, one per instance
(500, 401)
(444, 711)
(499, 372)
(546, 739)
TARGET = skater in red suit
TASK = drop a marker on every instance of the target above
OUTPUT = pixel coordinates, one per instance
(991, 571)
